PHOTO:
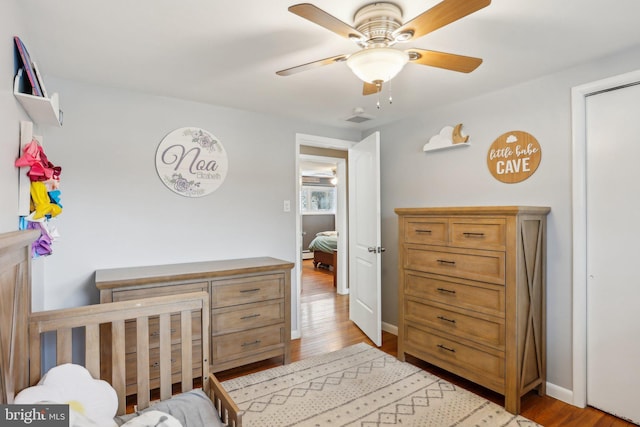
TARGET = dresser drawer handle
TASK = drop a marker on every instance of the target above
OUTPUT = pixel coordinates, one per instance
(156, 333)
(157, 364)
(250, 316)
(446, 320)
(446, 348)
(246, 291)
(246, 344)
(446, 262)
(470, 234)
(423, 231)
(447, 291)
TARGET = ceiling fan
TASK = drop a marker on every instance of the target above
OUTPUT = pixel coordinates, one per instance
(377, 27)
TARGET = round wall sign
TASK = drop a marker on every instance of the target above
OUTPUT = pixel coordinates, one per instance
(191, 162)
(514, 157)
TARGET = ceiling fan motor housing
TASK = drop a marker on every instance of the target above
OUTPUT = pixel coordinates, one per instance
(378, 21)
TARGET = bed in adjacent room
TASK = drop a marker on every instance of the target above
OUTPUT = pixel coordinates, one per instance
(325, 251)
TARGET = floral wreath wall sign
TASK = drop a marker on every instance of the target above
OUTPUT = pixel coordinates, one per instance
(191, 162)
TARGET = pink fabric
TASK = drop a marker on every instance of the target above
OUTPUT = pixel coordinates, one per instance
(41, 169)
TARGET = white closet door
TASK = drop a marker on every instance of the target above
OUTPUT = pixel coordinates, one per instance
(613, 252)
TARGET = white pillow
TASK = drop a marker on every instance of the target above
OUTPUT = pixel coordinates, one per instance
(73, 384)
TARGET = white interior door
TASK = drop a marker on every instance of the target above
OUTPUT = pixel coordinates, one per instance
(365, 237)
(613, 232)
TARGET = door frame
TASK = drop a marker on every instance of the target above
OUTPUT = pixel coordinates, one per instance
(341, 223)
(579, 96)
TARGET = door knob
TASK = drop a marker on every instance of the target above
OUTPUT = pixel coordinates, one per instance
(376, 249)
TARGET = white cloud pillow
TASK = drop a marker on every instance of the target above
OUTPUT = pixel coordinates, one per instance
(73, 384)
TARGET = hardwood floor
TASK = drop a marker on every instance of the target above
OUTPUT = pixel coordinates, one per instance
(326, 327)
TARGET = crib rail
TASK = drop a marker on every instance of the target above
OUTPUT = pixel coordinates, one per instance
(94, 318)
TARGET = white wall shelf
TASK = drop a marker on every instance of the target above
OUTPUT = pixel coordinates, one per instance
(43, 111)
(444, 147)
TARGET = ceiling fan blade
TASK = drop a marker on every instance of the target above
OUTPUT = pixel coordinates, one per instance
(311, 65)
(371, 88)
(448, 61)
(442, 14)
(322, 18)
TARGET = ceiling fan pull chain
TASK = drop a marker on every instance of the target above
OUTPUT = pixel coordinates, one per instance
(390, 95)
(378, 100)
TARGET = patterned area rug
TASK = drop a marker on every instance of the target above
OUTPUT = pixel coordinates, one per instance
(360, 386)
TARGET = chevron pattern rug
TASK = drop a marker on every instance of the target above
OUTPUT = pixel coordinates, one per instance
(360, 386)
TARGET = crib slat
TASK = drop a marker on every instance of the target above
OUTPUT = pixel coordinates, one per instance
(34, 355)
(165, 356)
(63, 346)
(205, 344)
(118, 370)
(187, 357)
(92, 349)
(142, 351)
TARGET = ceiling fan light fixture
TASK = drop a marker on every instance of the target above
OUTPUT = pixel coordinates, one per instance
(378, 64)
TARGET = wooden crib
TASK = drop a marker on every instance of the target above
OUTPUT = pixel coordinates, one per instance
(21, 337)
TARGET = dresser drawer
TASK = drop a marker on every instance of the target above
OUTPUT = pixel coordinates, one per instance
(487, 266)
(231, 319)
(157, 291)
(131, 363)
(483, 330)
(246, 290)
(476, 296)
(245, 343)
(154, 328)
(478, 233)
(485, 367)
(429, 231)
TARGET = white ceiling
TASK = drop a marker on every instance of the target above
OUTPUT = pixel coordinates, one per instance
(227, 52)
(310, 166)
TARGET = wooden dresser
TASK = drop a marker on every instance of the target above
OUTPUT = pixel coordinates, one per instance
(472, 294)
(250, 308)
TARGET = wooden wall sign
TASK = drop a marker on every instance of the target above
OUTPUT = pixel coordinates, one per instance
(514, 157)
(191, 162)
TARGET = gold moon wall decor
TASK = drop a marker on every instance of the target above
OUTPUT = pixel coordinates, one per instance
(449, 136)
(514, 156)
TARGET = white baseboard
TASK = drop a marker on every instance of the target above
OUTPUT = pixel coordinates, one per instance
(388, 327)
(560, 393)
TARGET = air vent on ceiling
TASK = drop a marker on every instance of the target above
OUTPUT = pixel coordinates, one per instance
(359, 116)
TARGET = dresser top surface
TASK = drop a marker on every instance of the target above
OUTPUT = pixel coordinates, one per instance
(475, 210)
(119, 277)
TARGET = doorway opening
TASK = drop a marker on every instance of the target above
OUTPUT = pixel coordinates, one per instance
(321, 207)
(320, 215)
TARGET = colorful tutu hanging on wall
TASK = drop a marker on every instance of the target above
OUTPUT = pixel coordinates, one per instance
(45, 196)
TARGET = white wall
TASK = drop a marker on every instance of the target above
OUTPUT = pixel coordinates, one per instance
(118, 213)
(11, 113)
(460, 177)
